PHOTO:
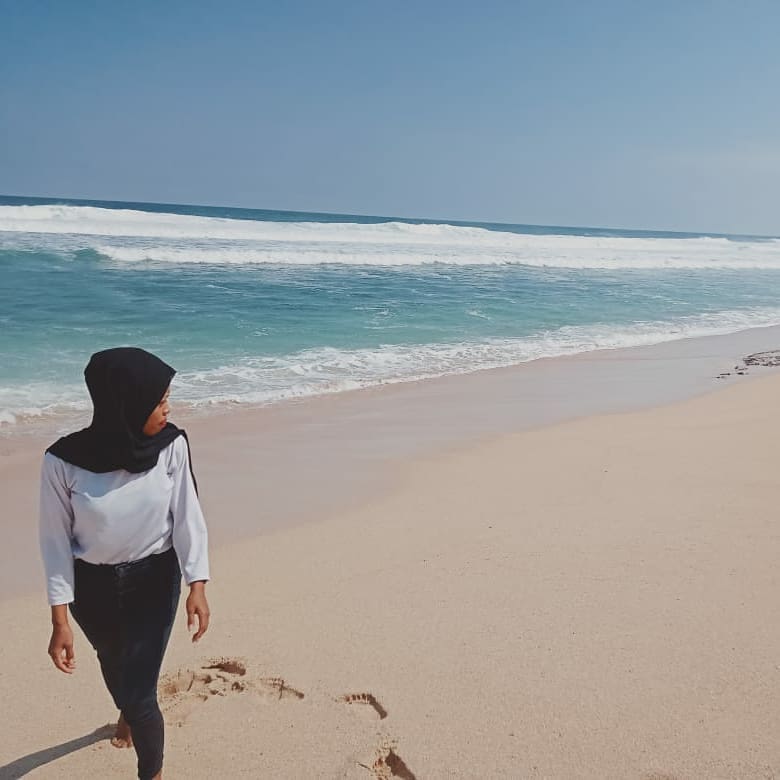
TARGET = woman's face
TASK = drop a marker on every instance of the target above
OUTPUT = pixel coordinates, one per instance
(159, 417)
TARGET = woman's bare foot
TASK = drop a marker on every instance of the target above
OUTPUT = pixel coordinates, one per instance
(123, 738)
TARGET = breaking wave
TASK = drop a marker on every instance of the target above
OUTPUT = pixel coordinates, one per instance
(320, 371)
(128, 236)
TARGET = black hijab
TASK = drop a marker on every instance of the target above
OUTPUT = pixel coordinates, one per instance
(126, 385)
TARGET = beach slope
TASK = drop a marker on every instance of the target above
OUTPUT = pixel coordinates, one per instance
(596, 598)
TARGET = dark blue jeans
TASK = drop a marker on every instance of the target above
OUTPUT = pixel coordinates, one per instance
(126, 612)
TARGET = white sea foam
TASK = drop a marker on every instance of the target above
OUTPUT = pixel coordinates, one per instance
(330, 370)
(266, 380)
(126, 236)
(27, 403)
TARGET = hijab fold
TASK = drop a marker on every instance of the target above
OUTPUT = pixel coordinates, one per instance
(126, 384)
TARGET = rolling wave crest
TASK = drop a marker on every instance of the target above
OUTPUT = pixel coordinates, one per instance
(127, 236)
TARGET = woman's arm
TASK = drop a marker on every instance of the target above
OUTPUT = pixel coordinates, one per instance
(198, 608)
(56, 535)
(55, 531)
(61, 643)
(190, 539)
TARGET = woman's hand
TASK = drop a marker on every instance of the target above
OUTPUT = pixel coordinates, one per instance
(197, 607)
(61, 642)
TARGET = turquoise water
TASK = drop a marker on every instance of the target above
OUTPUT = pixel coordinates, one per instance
(259, 306)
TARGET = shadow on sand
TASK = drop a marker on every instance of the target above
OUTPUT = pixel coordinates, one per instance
(25, 764)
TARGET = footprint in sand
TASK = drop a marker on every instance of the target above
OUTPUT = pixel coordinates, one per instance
(388, 764)
(369, 703)
(181, 692)
(277, 687)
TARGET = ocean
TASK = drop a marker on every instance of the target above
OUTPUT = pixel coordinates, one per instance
(257, 307)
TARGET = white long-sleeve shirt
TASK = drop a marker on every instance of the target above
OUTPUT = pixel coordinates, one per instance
(119, 517)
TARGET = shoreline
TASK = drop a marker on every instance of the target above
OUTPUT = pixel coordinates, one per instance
(49, 425)
(327, 454)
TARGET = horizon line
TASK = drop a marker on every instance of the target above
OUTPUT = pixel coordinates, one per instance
(423, 220)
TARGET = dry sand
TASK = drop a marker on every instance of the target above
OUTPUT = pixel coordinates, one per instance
(596, 598)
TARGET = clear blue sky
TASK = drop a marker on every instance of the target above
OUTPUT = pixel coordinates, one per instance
(626, 114)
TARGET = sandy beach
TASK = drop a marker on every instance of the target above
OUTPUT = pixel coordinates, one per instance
(577, 580)
(470, 317)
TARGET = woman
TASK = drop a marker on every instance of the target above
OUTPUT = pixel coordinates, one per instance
(120, 522)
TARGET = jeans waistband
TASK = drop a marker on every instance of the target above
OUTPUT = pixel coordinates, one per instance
(121, 569)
